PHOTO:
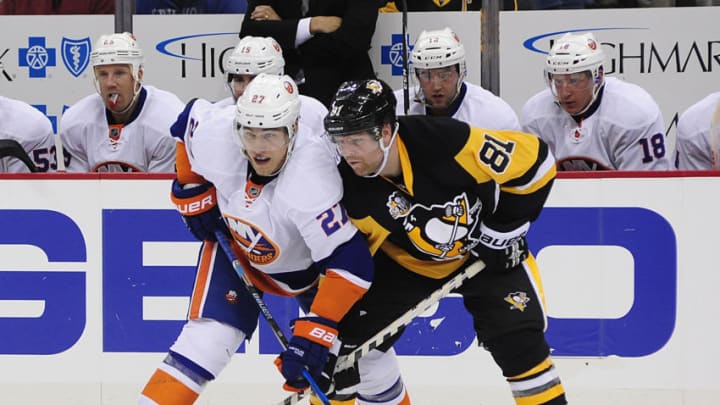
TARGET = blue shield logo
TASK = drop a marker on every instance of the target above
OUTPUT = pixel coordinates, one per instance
(75, 54)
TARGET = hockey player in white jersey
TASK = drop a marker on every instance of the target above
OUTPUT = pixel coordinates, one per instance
(254, 55)
(439, 88)
(698, 135)
(125, 127)
(593, 122)
(276, 192)
(26, 136)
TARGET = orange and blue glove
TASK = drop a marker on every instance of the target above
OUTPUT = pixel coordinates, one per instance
(309, 348)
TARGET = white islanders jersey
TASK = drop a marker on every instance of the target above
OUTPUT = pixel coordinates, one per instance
(626, 132)
(479, 107)
(23, 123)
(693, 145)
(142, 145)
(291, 222)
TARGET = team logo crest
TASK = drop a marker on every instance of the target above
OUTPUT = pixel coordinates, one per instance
(258, 248)
(518, 300)
(398, 205)
(75, 54)
(444, 231)
(115, 166)
(374, 86)
(114, 133)
(231, 297)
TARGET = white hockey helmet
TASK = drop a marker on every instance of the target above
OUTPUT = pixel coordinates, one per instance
(255, 55)
(269, 101)
(574, 53)
(437, 49)
(119, 48)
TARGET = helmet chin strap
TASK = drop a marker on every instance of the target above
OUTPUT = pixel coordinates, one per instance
(596, 90)
(386, 152)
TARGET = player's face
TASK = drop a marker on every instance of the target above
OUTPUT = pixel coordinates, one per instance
(238, 83)
(266, 148)
(439, 85)
(116, 85)
(573, 91)
(361, 151)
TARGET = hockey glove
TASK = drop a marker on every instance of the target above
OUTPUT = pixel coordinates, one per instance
(309, 349)
(502, 250)
(198, 206)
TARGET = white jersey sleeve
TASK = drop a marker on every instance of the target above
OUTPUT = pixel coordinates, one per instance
(693, 145)
(310, 188)
(23, 123)
(143, 144)
(625, 132)
(225, 102)
(312, 114)
(479, 107)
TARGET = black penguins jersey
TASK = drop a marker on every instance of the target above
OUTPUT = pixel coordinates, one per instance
(453, 178)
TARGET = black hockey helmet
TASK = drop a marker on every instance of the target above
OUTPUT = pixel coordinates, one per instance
(360, 105)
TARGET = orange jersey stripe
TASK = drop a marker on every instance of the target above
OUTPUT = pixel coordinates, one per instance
(260, 280)
(167, 390)
(185, 175)
(202, 279)
(335, 296)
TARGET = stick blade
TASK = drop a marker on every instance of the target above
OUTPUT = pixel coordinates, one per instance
(12, 148)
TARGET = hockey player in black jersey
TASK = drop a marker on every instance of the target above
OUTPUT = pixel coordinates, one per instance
(434, 195)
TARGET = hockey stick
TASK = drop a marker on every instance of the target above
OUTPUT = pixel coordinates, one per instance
(238, 267)
(12, 148)
(715, 137)
(347, 361)
(405, 72)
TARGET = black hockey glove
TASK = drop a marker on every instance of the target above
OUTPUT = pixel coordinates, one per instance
(502, 250)
(340, 386)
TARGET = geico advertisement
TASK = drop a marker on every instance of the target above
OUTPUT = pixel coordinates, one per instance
(91, 268)
(674, 66)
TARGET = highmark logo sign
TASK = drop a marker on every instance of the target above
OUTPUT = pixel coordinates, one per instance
(697, 54)
(200, 55)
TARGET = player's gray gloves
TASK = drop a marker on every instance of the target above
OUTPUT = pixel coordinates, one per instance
(502, 250)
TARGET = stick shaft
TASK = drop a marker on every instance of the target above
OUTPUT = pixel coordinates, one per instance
(403, 320)
(237, 266)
